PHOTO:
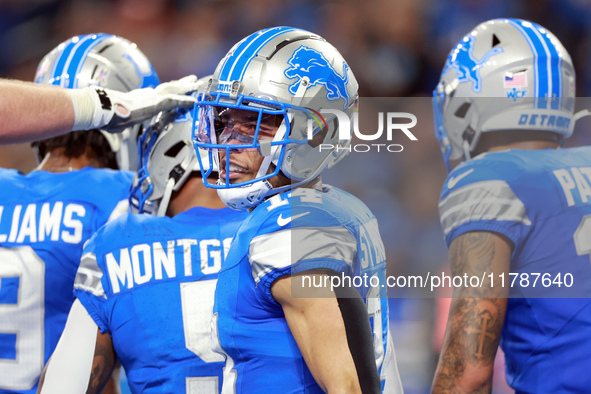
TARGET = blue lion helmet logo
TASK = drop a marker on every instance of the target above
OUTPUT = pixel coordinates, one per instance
(308, 62)
(466, 65)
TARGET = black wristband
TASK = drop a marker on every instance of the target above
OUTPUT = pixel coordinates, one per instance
(359, 338)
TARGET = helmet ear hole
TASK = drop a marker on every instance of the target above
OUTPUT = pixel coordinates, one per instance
(463, 110)
(175, 149)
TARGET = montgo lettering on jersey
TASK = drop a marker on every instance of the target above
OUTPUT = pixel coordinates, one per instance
(146, 262)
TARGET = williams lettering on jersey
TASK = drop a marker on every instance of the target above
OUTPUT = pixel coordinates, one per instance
(49, 221)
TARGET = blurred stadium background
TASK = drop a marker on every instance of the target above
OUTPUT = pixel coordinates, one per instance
(396, 48)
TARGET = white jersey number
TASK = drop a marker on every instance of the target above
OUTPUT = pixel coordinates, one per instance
(21, 317)
(197, 302)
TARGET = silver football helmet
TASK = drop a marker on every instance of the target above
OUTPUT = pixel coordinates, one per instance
(167, 159)
(102, 60)
(506, 74)
(299, 82)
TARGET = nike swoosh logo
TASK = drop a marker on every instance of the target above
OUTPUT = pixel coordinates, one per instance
(282, 222)
(455, 179)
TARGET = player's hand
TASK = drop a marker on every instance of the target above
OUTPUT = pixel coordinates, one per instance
(114, 111)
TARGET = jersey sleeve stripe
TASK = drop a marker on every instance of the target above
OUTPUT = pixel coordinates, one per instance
(274, 251)
(89, 275)
(486, 200)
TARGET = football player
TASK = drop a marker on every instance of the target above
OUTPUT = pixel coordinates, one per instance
(517, 209)
(48, 215)
(254, 125)
(31, 112)
(146, 283)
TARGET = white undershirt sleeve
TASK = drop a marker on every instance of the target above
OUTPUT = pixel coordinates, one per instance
(68, 371)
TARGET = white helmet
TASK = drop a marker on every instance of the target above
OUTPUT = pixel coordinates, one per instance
(291, 74)
(506, 74)
(102, 60)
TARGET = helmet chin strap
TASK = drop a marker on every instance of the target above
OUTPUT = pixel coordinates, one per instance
(466, 149)
(280, 134)
(275, 151)
(169, 188)
(165, 197)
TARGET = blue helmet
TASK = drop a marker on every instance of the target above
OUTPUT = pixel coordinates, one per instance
(506, 74)
(101, 60)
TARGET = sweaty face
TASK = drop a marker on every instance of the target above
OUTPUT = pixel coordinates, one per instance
(239, 127)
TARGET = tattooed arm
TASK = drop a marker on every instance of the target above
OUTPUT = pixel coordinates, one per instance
(103, 366)
(83, 360)
(114, 384)
(476, 315)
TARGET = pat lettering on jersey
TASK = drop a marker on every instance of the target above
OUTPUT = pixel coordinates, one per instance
(575, 183)
(32, 223)
(149, 262)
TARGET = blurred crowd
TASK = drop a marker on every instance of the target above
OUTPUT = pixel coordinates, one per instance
(396, 48)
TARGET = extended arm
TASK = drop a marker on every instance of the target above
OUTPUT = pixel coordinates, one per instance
(83, 360)
(476, 315)
(31, 112)
(333, 335)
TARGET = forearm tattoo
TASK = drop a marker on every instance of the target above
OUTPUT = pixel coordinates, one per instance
(102, 367)
(475, 320)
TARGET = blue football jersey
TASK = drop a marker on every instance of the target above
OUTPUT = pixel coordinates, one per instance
(541, 201)
(301, 230)
(150, 282)
(45, 218)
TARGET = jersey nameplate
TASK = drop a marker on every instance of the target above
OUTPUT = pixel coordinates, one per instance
(575, 183)
(41, 222)
(143, 263)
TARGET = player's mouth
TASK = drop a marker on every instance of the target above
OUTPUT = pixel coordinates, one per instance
(236, 171)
